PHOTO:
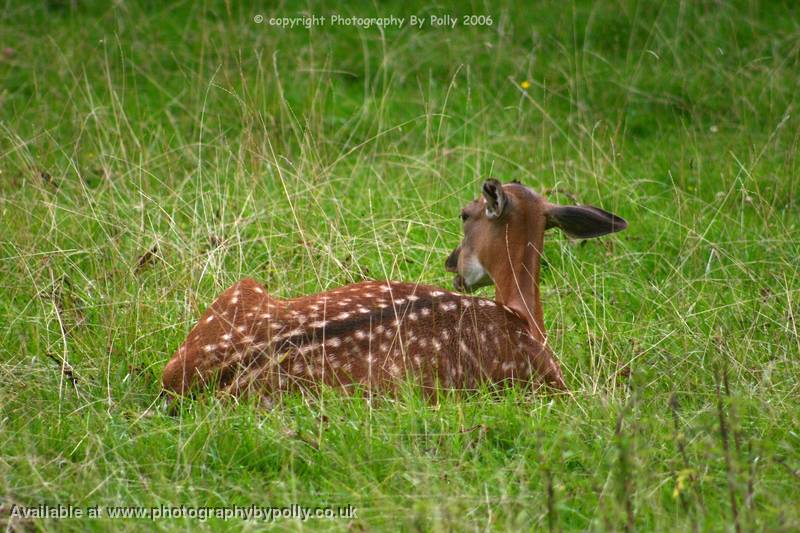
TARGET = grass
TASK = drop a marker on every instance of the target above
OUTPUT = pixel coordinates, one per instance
(150, 156)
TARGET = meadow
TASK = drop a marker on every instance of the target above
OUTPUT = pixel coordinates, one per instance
(151, 155)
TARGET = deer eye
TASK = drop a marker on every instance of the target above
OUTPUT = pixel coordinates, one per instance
(464, 216)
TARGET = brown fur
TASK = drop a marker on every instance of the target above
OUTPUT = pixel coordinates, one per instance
(373, 334)
(379, 333)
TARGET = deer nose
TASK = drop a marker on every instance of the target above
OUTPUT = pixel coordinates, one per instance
(451, 264)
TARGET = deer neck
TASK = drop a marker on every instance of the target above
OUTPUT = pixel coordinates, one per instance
(516, 278)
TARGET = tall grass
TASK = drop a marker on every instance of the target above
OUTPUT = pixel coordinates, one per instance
(152, 155)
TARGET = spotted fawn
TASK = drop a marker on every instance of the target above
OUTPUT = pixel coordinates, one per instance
(376, 334)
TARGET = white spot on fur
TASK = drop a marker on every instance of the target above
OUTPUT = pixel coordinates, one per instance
(307, 348)
(210, 318)
(292, 333)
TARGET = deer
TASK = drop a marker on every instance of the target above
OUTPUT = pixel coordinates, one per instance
(377, 334)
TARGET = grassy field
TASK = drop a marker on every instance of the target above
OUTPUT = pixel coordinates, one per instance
(150, 156)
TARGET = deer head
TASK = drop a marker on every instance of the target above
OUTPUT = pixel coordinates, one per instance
(503, 237)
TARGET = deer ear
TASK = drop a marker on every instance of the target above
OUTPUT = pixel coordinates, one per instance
(495, 198)
(583, 221)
